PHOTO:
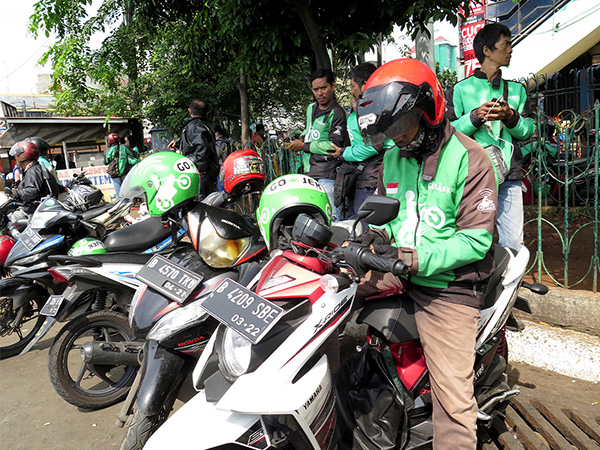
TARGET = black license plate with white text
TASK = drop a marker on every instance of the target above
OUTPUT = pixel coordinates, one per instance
(30, 238)
(168, 278)
(243, 310)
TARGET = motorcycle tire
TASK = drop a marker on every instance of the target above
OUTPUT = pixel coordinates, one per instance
(104, 385)
(30, 323)
(143, 426)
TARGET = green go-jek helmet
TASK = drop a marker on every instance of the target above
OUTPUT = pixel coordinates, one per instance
(283, 200)
(87, 246)
(167, 179)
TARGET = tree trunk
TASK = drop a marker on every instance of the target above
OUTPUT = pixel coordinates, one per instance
(244, 107)
(317, 41)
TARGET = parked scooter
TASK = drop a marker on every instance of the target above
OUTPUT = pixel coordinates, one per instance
(265, 377)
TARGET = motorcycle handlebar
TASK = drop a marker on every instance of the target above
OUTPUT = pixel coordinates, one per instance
(381, 263)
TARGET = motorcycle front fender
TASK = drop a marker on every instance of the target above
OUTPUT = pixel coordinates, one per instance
(162, 371)
(199, 424)
(22, 291)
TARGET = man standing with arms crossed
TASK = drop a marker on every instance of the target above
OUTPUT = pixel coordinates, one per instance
(325, 126)
(497, 112)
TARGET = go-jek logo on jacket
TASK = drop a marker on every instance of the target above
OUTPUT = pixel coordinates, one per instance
(413, 227)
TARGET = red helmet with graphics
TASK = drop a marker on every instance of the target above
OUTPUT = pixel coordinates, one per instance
(243, 171)
(24, 151)
(112, 139)
(397, 97)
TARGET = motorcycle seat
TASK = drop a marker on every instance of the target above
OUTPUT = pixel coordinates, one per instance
(136, 237)
(391, 318)
(494, 286)
(90, 214)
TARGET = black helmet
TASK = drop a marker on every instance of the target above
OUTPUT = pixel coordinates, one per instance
(41, 144)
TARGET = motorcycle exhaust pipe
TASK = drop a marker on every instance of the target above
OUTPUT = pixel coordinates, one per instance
(112, 353)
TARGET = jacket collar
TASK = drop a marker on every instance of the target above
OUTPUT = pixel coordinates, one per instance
(495, 82)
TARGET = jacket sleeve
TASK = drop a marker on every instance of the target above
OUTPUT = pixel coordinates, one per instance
(30, 189)
(110, 154)
(338, 135)
(466, 122)
(522, 125)
(474, 223)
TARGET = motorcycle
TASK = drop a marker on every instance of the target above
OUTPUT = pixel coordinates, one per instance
(170, 320)
(53, 229)
(265, 378)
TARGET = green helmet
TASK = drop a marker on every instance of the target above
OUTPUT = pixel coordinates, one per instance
(284, 199)
(167, 178)
(87, 246)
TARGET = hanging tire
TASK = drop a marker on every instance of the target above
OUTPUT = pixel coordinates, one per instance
(14, 338)
(87, 385)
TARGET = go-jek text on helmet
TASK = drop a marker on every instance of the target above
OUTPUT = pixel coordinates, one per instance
(87, 246)
(112, 139)
(25, 151)
(396, 97)
(243, 171)
(165, 179)
(283, 200)
(41, 144)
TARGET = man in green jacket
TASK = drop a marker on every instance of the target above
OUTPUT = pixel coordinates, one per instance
(497, 112)
(446, 185)
(325, 126)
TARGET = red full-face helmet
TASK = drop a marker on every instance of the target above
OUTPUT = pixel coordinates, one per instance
(396, 97)
(6, 245)
(243, 171)
(112, 139)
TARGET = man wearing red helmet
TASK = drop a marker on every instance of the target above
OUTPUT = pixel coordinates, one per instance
(124, 157)
(37, 182)
(446, 186)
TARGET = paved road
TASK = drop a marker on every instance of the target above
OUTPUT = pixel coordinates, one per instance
(33, 416)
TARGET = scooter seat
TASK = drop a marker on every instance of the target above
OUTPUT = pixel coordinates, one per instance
(391, 318)
(90, 214)
(137, 237)
(494, 287)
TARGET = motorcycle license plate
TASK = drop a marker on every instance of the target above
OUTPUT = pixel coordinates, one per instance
(30, 238)
(168, 278)
(243, 310)
(52, 305)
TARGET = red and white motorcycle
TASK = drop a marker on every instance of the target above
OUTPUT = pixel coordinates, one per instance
(265, 377)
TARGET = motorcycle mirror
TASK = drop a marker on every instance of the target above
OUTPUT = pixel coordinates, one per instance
(378, 210)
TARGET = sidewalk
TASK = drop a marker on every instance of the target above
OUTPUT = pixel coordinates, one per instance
(562, 334)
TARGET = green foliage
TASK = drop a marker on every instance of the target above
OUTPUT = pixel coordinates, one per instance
(446, 77)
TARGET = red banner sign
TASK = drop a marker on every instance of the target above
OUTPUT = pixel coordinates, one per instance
(468, 30)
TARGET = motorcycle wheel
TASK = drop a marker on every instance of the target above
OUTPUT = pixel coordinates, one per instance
(143, 426)
(86, 385)
(14, 339)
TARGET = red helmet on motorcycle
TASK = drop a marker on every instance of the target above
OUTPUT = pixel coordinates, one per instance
(6, 245)
(243, 171)
(112, 139)
(24, 151)
(396, 97)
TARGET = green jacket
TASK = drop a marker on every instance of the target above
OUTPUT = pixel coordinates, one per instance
(125, 155)
(323, 127)
(445, 225)
(470, 93)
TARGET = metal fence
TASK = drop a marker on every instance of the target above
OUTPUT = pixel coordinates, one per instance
(562, 193)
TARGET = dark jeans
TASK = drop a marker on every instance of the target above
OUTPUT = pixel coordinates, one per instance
(359, 197)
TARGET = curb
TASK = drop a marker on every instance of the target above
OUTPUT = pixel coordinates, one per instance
(569, 353)
(566, 308)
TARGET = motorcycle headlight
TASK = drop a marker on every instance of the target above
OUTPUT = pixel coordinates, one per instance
(216, 251)
(236, 352)
(40, 219)
(176, 320)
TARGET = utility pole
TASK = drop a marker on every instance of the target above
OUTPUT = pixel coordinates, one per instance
(424, 46)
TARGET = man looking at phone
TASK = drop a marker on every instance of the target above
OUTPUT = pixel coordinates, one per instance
(325, 126)
(496, 112)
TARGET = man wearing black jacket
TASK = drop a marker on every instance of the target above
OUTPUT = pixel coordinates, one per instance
(198, 144)
(37, 182)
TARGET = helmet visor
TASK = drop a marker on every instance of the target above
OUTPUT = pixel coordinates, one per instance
(14, 148)
(131, 191)
(404, 123)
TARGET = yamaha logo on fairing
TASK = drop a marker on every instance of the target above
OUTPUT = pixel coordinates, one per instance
(326, 319)
(313, 397)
